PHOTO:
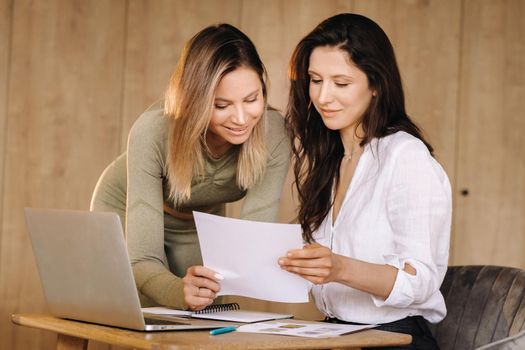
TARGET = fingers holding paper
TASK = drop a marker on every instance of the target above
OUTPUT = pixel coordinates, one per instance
(200, 287)
(314, 262)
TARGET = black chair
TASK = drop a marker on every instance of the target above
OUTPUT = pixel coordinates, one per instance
(484, 304)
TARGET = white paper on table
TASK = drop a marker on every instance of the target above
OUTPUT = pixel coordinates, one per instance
(303, 328)
(165, 311)
(246, 254)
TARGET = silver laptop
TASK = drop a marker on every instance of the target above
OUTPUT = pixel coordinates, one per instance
(85, 270)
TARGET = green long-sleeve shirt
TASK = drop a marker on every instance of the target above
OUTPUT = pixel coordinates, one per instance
(162, 247)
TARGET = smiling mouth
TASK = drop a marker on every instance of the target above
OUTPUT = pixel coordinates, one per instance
(329, 111)
(237, 130)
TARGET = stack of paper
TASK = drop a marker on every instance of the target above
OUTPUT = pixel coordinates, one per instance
(230, 315)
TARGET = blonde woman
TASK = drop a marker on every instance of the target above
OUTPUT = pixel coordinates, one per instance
(212, 141)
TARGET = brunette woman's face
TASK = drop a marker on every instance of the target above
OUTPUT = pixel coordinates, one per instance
(238, 107)
(338, 88)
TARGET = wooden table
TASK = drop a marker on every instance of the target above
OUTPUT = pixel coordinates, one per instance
(75, 335)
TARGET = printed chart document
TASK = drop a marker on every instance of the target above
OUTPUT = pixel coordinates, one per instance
(303, 328)
(246, 254)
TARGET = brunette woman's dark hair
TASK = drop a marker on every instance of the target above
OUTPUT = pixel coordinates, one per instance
(317, 150)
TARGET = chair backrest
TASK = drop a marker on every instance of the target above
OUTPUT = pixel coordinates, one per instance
(484, 304)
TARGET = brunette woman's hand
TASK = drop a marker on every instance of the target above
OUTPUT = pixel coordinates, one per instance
(200, 287)
(314, 262)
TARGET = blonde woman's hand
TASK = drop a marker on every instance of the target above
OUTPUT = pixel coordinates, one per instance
(201, 285)
(314, 262)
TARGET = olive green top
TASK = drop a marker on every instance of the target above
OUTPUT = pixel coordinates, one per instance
(162, 247)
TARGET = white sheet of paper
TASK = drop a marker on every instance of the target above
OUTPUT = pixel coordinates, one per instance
(303, 328)
(165, 311)
(246, 254)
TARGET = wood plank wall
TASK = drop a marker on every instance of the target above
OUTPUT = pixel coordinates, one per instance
(490, 216)
(65, 82)
(5, 42)
(75, 74)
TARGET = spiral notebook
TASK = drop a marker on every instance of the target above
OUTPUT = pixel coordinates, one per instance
(220, 312)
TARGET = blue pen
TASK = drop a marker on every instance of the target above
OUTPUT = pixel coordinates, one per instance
(222, 330)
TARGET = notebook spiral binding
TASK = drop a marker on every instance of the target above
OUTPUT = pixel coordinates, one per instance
(218, 308)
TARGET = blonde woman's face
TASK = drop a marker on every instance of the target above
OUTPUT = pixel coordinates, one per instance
(238, 107)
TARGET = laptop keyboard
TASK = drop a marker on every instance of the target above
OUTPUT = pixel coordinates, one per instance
(157, 321)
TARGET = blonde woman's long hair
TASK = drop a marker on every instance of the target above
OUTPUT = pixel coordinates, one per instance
(189, 102)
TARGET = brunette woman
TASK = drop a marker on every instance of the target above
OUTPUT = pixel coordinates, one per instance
(375, 205)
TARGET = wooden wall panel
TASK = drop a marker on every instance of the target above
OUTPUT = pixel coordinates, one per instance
(490, 220)
(425, 36)
(157, 31)
(5, 47)
(63, 116)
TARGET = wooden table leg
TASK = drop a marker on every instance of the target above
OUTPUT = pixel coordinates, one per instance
(67, 342)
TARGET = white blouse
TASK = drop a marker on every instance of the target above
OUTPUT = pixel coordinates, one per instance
(396, 210)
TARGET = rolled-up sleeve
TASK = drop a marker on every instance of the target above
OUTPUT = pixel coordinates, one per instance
(419, 208)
